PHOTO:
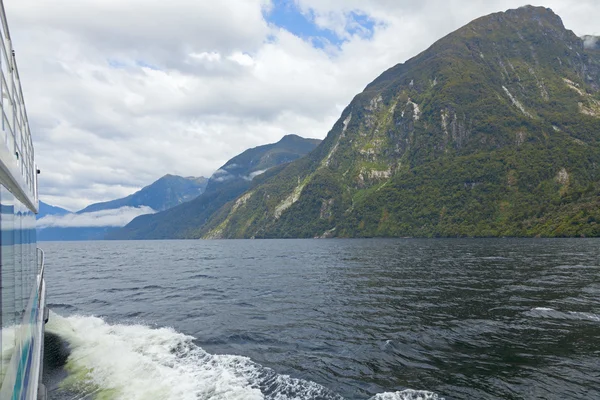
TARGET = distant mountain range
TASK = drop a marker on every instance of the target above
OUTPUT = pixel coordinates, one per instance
(47, 209)
(166, 192)
(173, 204)
(226, 184)
(492, 131)
(95, 220)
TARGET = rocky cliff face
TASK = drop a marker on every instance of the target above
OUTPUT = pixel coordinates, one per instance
(493, 130)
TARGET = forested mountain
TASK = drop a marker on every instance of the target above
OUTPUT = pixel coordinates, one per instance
(492, 131)
(227, 183)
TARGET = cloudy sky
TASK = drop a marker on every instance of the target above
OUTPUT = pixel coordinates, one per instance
(121, 92)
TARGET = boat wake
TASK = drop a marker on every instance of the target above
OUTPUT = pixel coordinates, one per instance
(115, 361)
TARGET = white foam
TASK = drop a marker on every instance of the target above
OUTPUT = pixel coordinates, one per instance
(407, 394)
(584, 315)
(8, 343)
(569, 315)
(138, 362)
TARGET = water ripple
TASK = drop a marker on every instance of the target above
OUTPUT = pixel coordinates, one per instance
(360, 319)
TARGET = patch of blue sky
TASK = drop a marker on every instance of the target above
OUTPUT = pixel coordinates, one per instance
(116, 64)
(120, 64)
(144, 64)
(360, 24)
(287, 15)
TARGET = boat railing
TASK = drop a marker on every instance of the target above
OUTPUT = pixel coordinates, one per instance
(40, 259)
(15, 132)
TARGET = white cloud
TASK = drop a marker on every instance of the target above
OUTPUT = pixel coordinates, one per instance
(120, 92)
(242, 59)
(206, 56)
(589, 42)
(254, 174)
(116, 217)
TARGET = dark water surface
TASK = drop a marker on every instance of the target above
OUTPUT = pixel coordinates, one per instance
(321, 319)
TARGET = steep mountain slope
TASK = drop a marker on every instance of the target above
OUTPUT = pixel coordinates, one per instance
(494, 130)
(228, 182)
(166, 192)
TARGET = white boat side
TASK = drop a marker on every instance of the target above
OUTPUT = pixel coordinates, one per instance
(22, 285)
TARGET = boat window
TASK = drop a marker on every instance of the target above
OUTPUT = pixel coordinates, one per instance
(18, 277)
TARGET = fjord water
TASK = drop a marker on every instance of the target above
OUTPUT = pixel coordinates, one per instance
(327, 319)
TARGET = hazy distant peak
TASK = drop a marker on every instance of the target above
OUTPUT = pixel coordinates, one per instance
(292, 138)
(229, 181)
(48, 209)
(166, 192)
(175, 178)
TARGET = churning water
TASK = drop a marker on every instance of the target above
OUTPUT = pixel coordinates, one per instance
(325, 319)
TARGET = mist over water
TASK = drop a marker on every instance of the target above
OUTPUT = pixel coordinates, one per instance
(325, 319)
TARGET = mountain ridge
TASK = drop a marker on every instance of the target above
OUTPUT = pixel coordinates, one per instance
(229, 181)
(49, 209)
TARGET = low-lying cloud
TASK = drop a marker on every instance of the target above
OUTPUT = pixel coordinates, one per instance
(116, 218)
(589, 42)
(222, 175)
(254, 174)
